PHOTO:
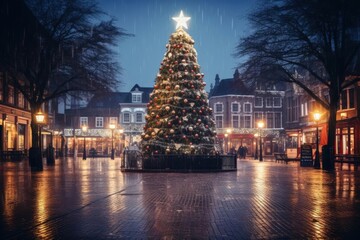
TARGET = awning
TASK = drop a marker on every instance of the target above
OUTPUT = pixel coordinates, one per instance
(236, 135)
(324, 134)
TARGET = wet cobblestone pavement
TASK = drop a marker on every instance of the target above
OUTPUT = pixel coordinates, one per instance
(93, 199)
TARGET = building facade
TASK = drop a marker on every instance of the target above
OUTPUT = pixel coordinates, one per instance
(125, 110)
(301, 127)
(238, 108)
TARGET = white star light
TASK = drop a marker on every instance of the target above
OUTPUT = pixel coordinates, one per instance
(181, 20)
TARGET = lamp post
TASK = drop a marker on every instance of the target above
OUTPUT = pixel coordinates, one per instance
(317, 157)
(121, 132)
(226, 141)
(228, 131)
(56, 133)
(112, 127)
(260, 125)
(84, 129)
(40, 120)
(256, 135)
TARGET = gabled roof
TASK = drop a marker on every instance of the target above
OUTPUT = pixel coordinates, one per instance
(108, 100)
(231, 86)
(145, 90)
(113, 99)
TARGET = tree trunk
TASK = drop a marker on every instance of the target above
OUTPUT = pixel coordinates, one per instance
(328, 158)
(35, 153)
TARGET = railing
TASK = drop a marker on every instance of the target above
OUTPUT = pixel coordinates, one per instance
(133, 160)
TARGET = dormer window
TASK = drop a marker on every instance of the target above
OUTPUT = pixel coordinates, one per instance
(136, 97)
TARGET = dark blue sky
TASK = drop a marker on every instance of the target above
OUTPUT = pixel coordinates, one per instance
(215, 25)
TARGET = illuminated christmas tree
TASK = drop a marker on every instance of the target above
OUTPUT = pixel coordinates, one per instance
(179, 120)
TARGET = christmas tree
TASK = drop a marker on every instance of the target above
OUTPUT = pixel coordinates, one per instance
(179, 120)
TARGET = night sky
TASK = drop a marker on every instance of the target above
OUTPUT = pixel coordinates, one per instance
(215, 25)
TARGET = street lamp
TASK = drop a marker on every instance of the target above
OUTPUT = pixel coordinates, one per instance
(56, 133)
(317, 116)
(228, 131)
(40, 120)
(226, 140)
(112, 127)
(84, 128)
(256, 135)
(260, 125)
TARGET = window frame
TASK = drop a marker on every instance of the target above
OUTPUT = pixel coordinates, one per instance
(83, 121)
(99, 122)
(126, 114)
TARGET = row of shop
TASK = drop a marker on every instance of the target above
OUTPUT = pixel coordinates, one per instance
(15, 135)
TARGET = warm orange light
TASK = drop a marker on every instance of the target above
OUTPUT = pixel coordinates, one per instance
(317, 116)
(40, 117)
(260, 124)
(84, 128)
(121, 131)
(343, 115)
(228, 131)
(112, 126)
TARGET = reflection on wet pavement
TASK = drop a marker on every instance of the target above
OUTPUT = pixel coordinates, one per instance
(94, 199)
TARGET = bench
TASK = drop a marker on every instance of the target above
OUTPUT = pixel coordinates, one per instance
(15, 155)
(282, 157)
(349, 159)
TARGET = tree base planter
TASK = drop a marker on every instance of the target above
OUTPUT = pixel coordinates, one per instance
(35, 159)
(178, 163)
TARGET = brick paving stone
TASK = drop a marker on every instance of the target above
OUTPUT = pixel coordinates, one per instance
(93, 199)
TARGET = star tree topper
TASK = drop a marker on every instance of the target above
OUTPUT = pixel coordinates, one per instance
(181, 20)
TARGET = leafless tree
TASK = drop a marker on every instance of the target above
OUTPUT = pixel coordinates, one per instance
(319, 37)
(51, 48)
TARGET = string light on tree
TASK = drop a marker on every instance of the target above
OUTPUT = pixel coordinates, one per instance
(179, 120)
